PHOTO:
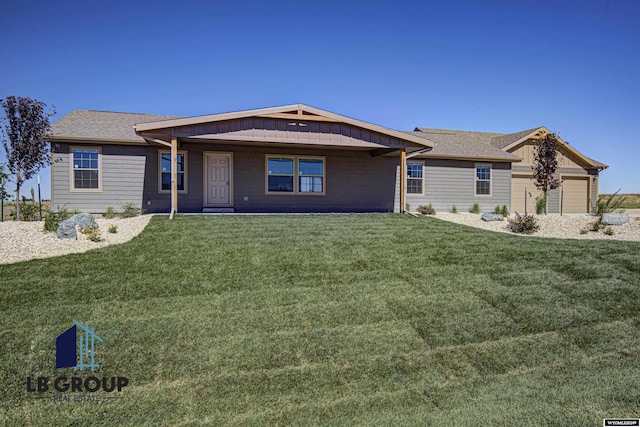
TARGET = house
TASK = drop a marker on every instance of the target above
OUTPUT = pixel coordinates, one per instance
(297, 158)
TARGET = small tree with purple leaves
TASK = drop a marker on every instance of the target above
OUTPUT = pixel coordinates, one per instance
(25, 130)
(545, 164)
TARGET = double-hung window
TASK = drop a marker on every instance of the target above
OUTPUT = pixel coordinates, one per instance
(414, 177)
(165, 171)
(483, 180)
(295, 175)
(85, 163)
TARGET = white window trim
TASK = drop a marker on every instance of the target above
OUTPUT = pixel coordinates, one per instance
(475, 180)
(72, 183)
(296, 191)
(186, 170)
(422, 193)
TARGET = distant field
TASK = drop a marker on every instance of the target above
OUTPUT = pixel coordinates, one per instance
(632, 201)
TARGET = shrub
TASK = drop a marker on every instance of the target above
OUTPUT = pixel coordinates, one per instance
(28, 212)
(475, 209)
(497, 210)
(504, 211)
(53, 219)
(129, 210)
(610, 203)
(584, 231)
(596, 226)
(609, 231)
(109, 214)
(454, 209)
(541, 204)
(92, 231)
(523, 224)
(113, 229)
(426, 210)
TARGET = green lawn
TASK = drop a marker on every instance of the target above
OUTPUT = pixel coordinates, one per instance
(332, 319)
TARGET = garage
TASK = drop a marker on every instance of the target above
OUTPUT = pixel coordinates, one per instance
(523, 190)
(575, 195)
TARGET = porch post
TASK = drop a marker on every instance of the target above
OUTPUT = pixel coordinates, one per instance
(174, 176)
(403, 178)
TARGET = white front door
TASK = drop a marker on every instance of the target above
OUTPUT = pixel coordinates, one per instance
(217, 179)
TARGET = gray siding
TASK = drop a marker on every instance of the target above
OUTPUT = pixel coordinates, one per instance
(449, 182)
(122, 177)
(354, 181)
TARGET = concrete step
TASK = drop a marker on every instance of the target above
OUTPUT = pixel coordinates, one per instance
(217, 210)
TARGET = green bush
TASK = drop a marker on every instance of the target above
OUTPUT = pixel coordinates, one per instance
(427, 210)
(53, 219)
(109, 214)
(584, 231)
(596, 226)
(497, 210)
(475, 209)
(113, 229)
(541, 204)
(504, 211)
(454, 209)
(28, 211)
(609, 231)
(523, 224)
(129, 210)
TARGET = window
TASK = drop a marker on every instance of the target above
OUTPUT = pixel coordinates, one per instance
(295, 175)
(165, 171)
(414, 177)
(86, 169)
(280, 174)
(483, 180)
(310, 175)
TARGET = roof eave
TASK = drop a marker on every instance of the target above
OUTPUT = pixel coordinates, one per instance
(81, 139)
(512, 159)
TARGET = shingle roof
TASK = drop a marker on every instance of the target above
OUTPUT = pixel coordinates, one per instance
(504, 140)
(458, 143)
(102, 125)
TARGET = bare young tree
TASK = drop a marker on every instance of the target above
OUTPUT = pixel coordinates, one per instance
(25, 130)
(545, 164)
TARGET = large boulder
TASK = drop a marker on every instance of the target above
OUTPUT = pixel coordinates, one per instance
(83, 219)
(614, 218)
(67, 230)
(492, 217)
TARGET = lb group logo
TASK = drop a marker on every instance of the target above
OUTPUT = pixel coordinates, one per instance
(67, 354)
(77, 348)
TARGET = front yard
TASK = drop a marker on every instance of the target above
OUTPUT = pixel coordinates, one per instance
(331, 319)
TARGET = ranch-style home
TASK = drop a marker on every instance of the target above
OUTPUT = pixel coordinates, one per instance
(297, 158)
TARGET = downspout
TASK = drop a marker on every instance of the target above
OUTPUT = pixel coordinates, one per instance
(174, 154)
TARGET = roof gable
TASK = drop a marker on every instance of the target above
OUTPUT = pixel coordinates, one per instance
(311, 124)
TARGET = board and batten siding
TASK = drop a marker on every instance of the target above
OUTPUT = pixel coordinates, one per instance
(452, 182)
(122, 175)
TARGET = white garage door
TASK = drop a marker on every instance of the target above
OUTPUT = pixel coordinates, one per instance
(523, 190)
(575, 193)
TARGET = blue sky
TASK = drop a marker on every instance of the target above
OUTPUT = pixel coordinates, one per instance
(497, 66)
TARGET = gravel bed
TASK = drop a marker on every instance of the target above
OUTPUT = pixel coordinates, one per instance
(21, 241)
(563, 227)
